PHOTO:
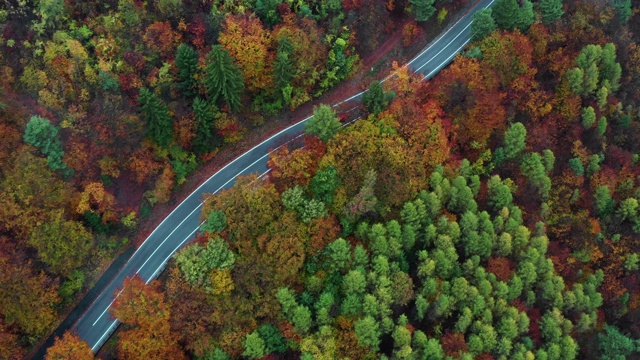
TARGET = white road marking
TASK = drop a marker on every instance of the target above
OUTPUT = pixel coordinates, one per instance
(449, 58)
(264, 173)
(105, 310)
(168, 236)
(164, 263)
(93, 348)
(446, 46)
(434, 43)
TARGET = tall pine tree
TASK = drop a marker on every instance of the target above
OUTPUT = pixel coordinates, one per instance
(550, 11)
(206, 137)
(156, 114)
(509, 15)
(187, 64)
(483, 24)
(223, 78)
(283, 67)
(424, 9)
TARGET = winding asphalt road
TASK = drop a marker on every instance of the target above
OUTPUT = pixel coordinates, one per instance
(96, 324)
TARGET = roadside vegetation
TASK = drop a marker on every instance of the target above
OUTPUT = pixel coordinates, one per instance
(490, 213)
(107, 108)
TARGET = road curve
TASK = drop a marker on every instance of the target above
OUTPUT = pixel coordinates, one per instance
(97, 324)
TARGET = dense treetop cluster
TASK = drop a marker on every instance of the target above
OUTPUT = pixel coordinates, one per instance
(489, 213)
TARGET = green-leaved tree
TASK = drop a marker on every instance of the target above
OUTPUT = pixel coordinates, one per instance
(423, 9)
(223, 78)
(156, 114)
(324, 124)
(187, 64)
(483, 24)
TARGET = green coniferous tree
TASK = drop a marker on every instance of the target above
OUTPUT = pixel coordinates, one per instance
(207, 138)
(368, 333)
(588, 117)
(424, 9)
(622, 9)
(574, 77)
(223, 78)
(504, 12)
(254, 346)
(610, 70)
(550, 11)
(376, 99)
(509, 15)
(44, 135)
(514, 140)
(525, 16)
(267, 10)
(324, 123)
(283, 66)
(324, 184)
(156, 114)
(604, 203)
(483, 24)
(187, 64)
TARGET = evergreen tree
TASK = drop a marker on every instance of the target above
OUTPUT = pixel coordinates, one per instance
(402, 342)
(338, 255)
(368, 332)
(223, 78)
(376, 99)
(483, 24)
(424, 9)
(533, 168)
(631, 262)
(301, 319)
(615, 345)
(576, 165)
(273, 340)
(588, 117)
(254, 347)
(324, 184)
(206, 139)
(267, 11)
(603, 202)
(287, 300)
(575, 76)
(548, 159)
(504, 12)
(216, 222)
(324, 123)
(187, 63)
(283, 67)
(610, 70)
(623, 9)
(499, 193)
(525, 16)
(44, 135)
(550, 11)
(509, 15)
(514, 140)
(156, 114)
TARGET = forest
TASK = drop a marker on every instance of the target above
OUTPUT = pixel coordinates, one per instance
(489, 213)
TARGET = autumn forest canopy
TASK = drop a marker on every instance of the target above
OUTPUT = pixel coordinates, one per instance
(489, 213)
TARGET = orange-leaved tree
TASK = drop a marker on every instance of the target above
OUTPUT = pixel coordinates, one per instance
(248, 42)
(69, 347)
(144, 309)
